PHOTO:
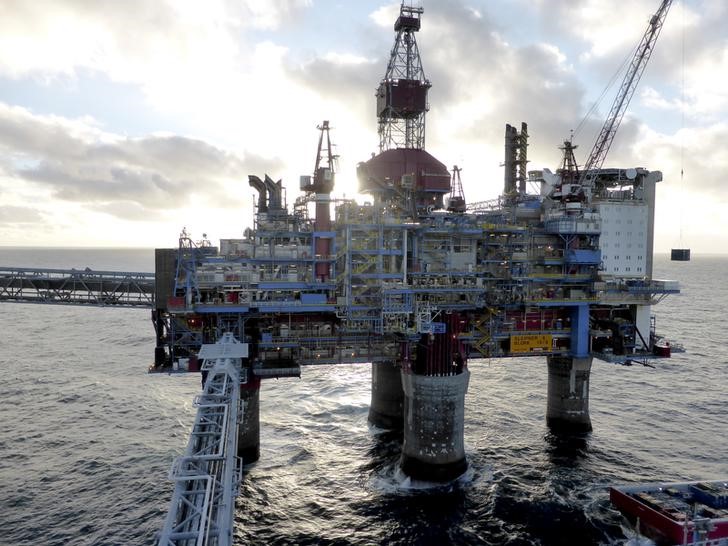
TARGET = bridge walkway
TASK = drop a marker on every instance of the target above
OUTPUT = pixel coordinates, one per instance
(207, 476)
(77, 287)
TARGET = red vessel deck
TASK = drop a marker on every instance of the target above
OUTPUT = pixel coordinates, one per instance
(677, 513)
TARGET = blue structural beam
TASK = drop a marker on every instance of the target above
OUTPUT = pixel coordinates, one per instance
(263, 307)
(285, 285)
(580, 330)
(583, 256)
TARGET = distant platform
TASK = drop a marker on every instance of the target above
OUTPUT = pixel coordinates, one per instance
(680, 255)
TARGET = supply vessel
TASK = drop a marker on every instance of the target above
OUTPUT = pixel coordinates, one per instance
(694, 513)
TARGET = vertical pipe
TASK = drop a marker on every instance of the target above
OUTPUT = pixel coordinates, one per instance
(387, 402)
(404, 256)
(249, 430)
(509, 176)
(322, 246)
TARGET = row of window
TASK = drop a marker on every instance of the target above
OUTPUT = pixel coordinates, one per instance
(627, 257)
(629, 245)
(626, 234)
(619, 221)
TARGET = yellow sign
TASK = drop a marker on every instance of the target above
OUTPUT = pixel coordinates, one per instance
(530, 343)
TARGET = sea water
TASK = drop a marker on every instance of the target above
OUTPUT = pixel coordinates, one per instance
(87, 436)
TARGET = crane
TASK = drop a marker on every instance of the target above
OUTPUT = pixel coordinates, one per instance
(624, 96)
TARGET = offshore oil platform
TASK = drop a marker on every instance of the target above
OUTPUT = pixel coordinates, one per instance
(415, 282)
(418, 282)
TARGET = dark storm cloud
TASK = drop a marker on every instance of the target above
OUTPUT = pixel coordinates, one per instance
(80, 164)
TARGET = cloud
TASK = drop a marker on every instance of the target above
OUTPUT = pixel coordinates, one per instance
(126, 210)
(125, 177)
(256, 77)
(480, 82)
(337, 77)
(134, 40)
(11, 214)
(700, 152)
(596, 24)
(57, 37)
(692, 44)
(177, 53)
(270, 14)
(384, 16)
(652, 98)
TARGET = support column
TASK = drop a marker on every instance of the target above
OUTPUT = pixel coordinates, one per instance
(433, 448)
(386, 409)
(249, 430)
(567, 407)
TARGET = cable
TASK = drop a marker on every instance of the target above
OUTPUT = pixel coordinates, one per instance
(609, 85)
(682, 121)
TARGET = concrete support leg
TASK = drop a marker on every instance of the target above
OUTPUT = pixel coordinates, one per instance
(567, 407)
(249, 431)
(386, 409)
(433, 447)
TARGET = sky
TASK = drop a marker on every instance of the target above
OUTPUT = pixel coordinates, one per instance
(123, 122)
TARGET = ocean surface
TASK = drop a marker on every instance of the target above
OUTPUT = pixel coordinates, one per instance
(87, 436)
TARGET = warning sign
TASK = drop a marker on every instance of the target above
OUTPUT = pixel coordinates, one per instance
(531, 343)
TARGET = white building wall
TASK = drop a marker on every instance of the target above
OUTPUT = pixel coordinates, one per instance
(624, 238)
(642, 322)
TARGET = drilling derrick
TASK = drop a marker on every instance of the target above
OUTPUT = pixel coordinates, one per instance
(403, 173)
(402, 93)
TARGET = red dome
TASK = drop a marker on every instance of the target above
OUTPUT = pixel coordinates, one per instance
(403, 167)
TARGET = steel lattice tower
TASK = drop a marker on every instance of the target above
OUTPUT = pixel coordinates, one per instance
(402, 93)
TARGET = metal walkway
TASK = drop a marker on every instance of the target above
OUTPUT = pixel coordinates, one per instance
(77, 287)
(207, 477)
